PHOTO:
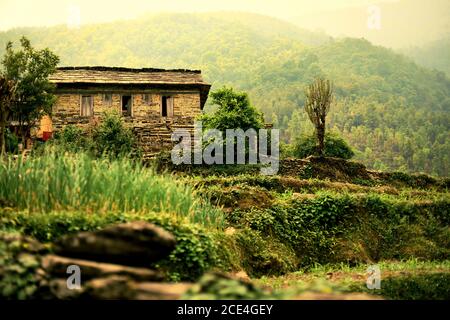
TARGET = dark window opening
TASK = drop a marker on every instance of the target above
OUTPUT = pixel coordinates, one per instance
(126, 106)
(167, 106)
(164, 107)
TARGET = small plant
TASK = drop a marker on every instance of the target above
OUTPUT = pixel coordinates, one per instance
(72, 138)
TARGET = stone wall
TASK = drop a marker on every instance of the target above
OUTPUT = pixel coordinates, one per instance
(185, 104)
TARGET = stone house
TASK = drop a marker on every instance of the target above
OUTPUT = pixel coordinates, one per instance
(153, 102)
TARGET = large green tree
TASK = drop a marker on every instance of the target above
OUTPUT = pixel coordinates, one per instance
(234, 112)
(29, 69)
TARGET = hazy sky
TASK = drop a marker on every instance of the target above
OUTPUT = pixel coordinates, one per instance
(19, 13)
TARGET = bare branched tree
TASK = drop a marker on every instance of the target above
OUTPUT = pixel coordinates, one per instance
(7, 96)
(319, 96)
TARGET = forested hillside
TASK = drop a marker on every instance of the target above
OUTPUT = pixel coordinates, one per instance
(393, 112)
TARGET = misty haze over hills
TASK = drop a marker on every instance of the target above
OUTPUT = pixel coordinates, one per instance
(392, 111)
(404, 23)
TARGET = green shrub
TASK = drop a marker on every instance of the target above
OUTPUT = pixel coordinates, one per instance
(335, 146)
(72, 138)
(234, 112)
(113, 137)
(264, 255)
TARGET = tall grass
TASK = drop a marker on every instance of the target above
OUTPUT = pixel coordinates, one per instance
(78, 182)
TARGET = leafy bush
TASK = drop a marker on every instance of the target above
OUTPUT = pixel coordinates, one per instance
(72, 138)
(335, 146)
(264, 254)
(113, 137)
(108, 138)
(234, 112)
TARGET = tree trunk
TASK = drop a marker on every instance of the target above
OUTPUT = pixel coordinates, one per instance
(23, 134)
(3, 117)
(2, 138)
(321, 137)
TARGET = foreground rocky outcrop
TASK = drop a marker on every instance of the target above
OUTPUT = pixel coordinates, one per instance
(134, 244)
(114, 263)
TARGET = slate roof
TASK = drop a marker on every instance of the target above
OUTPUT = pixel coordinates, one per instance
(117, 75)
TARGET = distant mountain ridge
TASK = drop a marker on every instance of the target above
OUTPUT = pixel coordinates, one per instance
(394, 112)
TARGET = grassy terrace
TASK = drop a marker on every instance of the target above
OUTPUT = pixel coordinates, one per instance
(285, 232)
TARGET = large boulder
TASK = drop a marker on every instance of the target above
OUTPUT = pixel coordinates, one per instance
(133, 244)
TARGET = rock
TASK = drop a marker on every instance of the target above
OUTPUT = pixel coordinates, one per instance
(135, 244)
(120, 287)
(114, 287)
(57, 288)
(160, 291)
(335, 296)
(56, 266)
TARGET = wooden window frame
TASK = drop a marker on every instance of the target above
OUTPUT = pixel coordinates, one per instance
(105, 101)
(81, 105)
(146, 98)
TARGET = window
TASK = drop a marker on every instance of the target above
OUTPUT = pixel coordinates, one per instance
(87, 106)
(167, 106)
(126, 106)
(147, 98)
(107, 99)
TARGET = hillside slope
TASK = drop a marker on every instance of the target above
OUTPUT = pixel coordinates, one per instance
(395, 113)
